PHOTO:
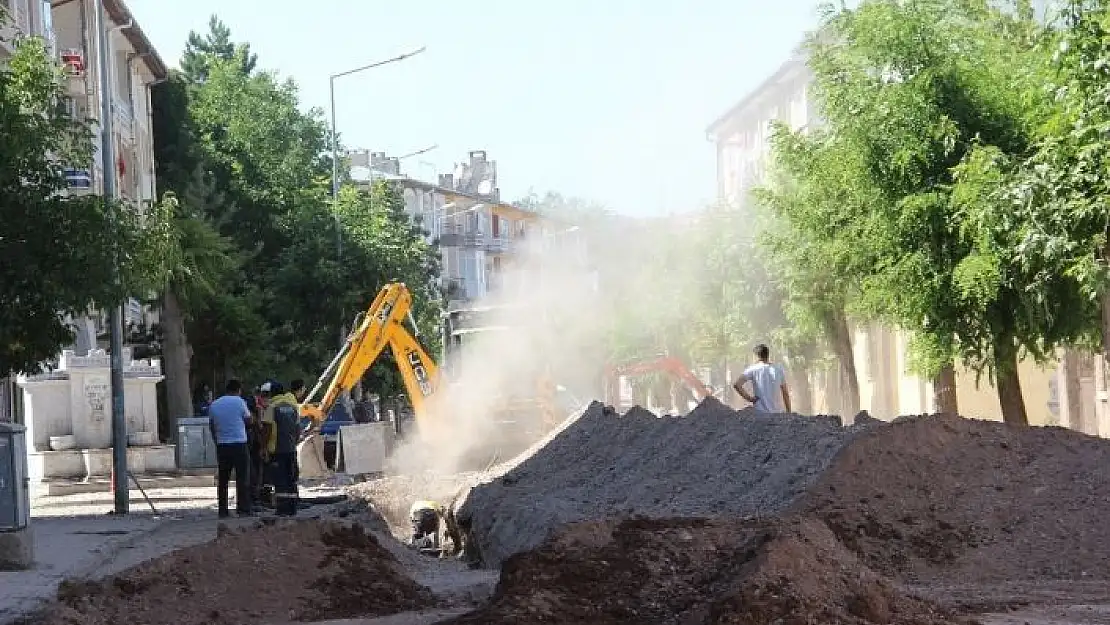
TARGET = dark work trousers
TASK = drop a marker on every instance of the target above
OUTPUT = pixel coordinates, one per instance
(286, 474)
(257, 469)
(234, 457)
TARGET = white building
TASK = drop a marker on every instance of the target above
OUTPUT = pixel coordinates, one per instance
(743, 136)
(478, 235)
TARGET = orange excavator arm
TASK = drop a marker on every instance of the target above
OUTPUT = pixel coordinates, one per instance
(666, 364)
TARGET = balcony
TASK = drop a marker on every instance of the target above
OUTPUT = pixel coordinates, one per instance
(498, 244)
(457, 236)
(79, 180)
(74, 68)
(123, 120)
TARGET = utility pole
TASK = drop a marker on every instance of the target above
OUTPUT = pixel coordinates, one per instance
(115, 314)
(335, 167)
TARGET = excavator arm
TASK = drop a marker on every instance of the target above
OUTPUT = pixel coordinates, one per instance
(666, 364)
(382, 325)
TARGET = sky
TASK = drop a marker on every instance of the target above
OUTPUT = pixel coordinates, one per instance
(606, 100)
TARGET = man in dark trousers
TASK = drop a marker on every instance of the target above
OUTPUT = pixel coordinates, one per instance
(283, 415)
(228, 417)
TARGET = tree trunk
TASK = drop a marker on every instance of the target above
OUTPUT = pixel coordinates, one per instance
(1068, 393)
(1008, 383)
(176, 355)
(801, 391)
(841, 339)
(944, 391)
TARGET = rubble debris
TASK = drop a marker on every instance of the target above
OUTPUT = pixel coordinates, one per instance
(266, 573)
(712, 462)
(675, 571)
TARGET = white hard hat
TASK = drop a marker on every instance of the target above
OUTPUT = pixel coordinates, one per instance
(265, 388)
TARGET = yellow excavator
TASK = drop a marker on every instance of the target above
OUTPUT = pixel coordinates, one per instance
(381, 326)
(384, 325)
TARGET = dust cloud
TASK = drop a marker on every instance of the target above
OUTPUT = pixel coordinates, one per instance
(531, 367)
(647, 287)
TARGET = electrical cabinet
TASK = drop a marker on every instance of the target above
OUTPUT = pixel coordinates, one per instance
(15, 486)
(195, 447)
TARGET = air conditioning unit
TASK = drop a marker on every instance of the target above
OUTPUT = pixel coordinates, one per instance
(73, 62)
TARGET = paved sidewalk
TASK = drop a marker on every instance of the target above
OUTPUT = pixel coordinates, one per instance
(65, 547)
(76, 536)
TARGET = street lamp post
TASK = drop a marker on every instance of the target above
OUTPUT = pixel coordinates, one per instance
(335, 161)
(115, 313)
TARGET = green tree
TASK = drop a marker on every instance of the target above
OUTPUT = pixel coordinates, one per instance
(61, 252)
(1053, 228)
(248, 169)
(909, 91)
(215, 45)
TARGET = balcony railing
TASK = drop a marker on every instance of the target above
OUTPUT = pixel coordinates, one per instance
(123, 119)
(79, 179)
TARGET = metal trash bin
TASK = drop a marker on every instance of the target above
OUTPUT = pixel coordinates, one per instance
(195, 447)
(15, 484)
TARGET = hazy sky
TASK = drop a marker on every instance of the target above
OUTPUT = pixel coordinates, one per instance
(603, 99)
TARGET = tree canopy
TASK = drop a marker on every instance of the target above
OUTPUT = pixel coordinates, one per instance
(276, 266)
(63, 253)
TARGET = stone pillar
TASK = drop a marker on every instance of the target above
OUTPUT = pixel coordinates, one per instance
(17, 550)
(1101, 418)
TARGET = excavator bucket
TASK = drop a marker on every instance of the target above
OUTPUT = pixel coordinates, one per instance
(310, 458)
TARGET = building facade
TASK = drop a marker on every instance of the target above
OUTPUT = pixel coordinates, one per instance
(887, 386)
(480, 237)
(69, 28)
(23, 18)
(134, 66)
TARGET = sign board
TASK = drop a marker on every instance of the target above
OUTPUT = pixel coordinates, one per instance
(97, 391)
(364, 447)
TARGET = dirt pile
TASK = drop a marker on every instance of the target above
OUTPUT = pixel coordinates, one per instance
(714, 461)
(679, 571)
(267, 573)
(938, 497)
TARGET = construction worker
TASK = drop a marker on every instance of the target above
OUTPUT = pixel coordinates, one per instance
(768, 383)
(424, 517)
(283, 419)
(257, 438)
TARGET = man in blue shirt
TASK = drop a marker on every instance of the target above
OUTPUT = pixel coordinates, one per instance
(228, 417)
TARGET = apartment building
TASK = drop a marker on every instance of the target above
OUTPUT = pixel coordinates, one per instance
(134, 66)
(887, 387)
(69, 30)
(480, 237)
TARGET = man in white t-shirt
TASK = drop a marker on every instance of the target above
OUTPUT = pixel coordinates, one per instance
(768, 383)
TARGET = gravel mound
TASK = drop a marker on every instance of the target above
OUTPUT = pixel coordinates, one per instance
(679, 571)
(305, 570)
(961, 500)
(714, 461)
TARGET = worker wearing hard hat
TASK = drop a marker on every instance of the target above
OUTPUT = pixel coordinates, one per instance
(283, 420)
(424, 517)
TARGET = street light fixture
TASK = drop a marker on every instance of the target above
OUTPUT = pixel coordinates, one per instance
(335, 161)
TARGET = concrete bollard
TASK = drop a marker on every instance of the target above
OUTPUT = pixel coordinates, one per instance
(17, 549)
